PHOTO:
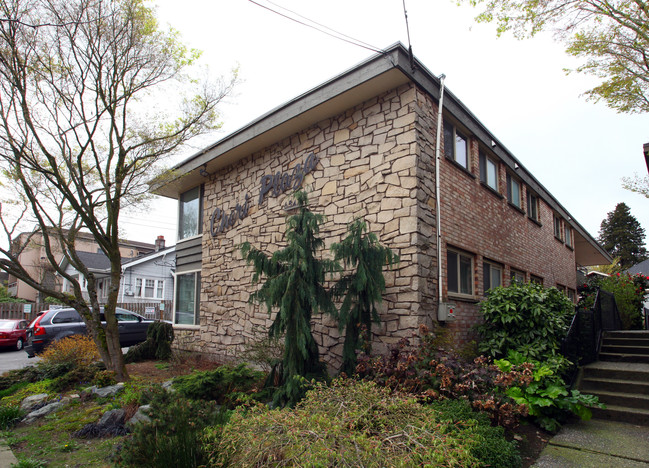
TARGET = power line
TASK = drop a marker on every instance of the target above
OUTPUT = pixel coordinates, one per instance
(335, 34)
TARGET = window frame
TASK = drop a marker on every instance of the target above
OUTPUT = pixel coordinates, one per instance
(487, 264)
(514, 273)
(556, 226)
(536, 279)
(484, 161)
(140, 287)
(197, 298)
(450, 151)
(533, 206)
(510, 196)
(458, 270)
(567, 234)
(181, 204)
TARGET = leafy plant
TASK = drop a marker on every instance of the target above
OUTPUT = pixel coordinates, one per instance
(173, 436)
(629, 292)
(29, 463)
(221, 384)
(361, 288)
(527, 318)
(546, 396)
(349, 423)
(9, 416)
(79, 350)
(294, 287)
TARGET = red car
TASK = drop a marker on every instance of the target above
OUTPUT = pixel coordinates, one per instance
(13, 333)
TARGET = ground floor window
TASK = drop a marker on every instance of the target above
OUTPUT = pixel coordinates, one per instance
(459, 272)
(188, 287)
(492, 276)
(516, 275)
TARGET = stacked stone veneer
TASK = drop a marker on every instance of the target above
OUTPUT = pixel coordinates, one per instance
(375, 162)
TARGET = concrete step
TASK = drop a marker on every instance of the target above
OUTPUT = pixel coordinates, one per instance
(622, 414)
(624, 357)
(594, 384)
(627, 400)
(639, 342)
(606, 348)
(627, 334)
(616, 370)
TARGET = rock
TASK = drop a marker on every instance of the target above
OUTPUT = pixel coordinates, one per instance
(112, 418)
(45, 410)
(168, 386)
(140, 416)
(110, 424)
(29, 403)
(109, 391)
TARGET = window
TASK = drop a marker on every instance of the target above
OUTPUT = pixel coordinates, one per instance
(516, 275)
(513, 191)
(533, 206)
(536, 279)
(187, 298)
(455, 145)
(492, 276)
(557, 227)
(488, 171)
(459, 273)
(567, 234)
(190, 214)
(153, 289)
(572, 295)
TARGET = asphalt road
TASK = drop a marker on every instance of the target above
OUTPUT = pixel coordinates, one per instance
(10, 359)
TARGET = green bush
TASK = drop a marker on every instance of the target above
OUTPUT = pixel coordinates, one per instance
(173, 436)
(629, 292)
(222, 384)
(9, 416)
(549, 401)
(352, 423)
(527, 318)
(157, 345)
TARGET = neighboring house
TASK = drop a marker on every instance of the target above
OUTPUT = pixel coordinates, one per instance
(641, 268)
(145, 279)
(363, 144)
(34, 260)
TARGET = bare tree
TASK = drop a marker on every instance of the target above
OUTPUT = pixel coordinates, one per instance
(92, 96)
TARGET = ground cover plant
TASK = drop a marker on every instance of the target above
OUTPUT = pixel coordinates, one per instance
(358, 423)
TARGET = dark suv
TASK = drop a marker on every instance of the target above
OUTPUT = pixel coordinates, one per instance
(59, 323)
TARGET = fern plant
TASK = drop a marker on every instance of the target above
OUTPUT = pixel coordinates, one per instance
(361, 288)
(294, 287)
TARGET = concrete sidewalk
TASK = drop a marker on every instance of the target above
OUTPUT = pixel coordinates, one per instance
(597, 443)
(7, 458)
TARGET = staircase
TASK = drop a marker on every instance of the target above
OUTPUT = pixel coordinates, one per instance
(621, 377)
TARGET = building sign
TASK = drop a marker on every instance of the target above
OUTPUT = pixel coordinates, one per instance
(272, 185)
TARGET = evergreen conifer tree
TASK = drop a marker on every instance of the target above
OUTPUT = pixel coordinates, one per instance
(294, 287)
(361, 288)
(622, 236)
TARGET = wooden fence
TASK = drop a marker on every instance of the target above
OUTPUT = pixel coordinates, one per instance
(153, 310)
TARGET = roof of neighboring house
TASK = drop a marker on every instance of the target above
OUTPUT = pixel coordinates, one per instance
(94, 261)
(380, 73)
(130, 262)
(641, 268)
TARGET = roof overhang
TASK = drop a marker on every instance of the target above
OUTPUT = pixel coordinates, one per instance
(588, 252)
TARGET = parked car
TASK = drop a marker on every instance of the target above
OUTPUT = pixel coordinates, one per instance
(56, 324)
(13, 333)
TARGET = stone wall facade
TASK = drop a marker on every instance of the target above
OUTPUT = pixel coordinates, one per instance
(376, 161)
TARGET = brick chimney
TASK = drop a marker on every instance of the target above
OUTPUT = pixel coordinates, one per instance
(160, 243)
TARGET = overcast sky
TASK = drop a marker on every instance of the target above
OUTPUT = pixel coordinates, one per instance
(578, 150)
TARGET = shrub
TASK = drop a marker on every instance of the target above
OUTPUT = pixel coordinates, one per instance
(9, 416)
(73, 377)
(79, 350)
(547, 397)
(629, 291)
(157, 345)
(173, 436)
(350, 423)
(527, 318)
(222, 384)
(433, 373)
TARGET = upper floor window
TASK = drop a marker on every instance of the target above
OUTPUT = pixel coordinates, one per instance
(533, 206)
(513, 191)
(567, 234)
(459, 272)
(488, 171)
(455, 145)
(557, 227)
(492, 275)
(190, 218)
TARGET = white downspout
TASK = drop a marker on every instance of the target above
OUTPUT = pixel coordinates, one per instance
(438, 161)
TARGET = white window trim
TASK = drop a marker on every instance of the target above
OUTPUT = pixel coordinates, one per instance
(173, 315)
(459, 277)
(141, 294)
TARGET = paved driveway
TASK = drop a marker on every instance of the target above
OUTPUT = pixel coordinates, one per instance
(10, 359)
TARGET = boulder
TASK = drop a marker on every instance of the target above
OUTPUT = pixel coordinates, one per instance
(31, 402)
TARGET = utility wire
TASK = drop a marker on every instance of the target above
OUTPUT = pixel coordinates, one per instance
(334, 34)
